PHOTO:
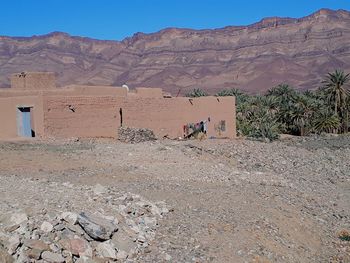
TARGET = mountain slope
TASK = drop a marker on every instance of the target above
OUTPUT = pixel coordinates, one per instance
(253, 58)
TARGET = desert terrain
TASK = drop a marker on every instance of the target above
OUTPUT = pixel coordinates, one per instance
(176, 201)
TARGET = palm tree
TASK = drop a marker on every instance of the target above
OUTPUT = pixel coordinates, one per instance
(335, 88)
(241, 97)
(325, 121)
(337, 92)
(301, 113)
(197, 93)
(283, 91)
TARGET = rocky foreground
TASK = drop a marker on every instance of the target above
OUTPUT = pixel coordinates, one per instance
(51, 222)
(176, 201)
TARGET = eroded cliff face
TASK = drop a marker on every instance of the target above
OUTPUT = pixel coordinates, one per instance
(254, 58)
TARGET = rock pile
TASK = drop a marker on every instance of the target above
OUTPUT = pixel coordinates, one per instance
(135, 135)
(80, 237)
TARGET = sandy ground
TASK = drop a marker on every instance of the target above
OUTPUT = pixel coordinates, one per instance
(233, 201)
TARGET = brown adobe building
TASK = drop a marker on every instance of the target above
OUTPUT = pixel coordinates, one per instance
(35, 107)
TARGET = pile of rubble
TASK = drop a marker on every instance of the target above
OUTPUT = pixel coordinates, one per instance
(80, 237)
(135, 135)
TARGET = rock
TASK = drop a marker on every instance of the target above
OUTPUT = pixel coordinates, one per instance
(5, 257)
(13, 243)
(12, 220)
(46, 227)
(122, 241)
(54, 247)
(76, 229)
(77, 246)
(68, 256)
(18, 218)
(122, 254)
(52, 257)
(99, 189)
(106, 249)
(66, 233)
(59, 227)
(35, 234)
(96, 227)
(151, 222)
(36, 244)
(167, 257)
(69, 217)
(135, 135)
(11, 228)
(89, 260)
(33, 253)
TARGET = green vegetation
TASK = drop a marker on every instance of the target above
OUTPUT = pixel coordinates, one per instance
(344, 235)
(284, 109)
(196, 93)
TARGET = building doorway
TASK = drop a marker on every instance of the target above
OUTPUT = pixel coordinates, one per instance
(25, 122)
(121, 117)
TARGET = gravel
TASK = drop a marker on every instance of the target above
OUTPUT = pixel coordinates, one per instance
(223, 201)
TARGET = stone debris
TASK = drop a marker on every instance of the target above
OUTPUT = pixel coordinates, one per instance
(106, 249)
(5, 256)
(96, 227)
(135, 135)
(69, 217)
(52, 257)
(99, 189)
(46, 227)
(240, 201)
(68, 236)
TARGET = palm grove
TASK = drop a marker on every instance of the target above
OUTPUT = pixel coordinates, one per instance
(285, 110)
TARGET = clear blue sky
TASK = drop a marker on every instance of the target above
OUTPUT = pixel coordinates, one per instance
(117, 19)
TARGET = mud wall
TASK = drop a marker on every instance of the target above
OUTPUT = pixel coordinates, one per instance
(167, 116)
(90, 116)
(84, 116)
(8, 115)
(33, 81)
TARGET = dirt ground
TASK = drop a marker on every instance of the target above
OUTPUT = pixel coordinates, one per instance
(232, 200)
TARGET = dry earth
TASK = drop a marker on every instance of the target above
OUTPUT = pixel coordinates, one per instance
(229, 201)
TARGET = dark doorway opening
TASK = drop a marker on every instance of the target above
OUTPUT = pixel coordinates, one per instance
(121, 117)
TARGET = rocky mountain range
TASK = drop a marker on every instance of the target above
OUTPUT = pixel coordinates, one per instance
(253, 58)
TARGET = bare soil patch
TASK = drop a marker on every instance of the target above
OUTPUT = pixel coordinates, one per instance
(231, 201)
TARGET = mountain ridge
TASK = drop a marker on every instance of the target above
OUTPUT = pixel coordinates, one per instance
(254, 58)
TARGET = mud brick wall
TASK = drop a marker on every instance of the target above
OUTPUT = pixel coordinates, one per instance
(167, 116)
(88, 116)
(81, 116)
(33, 81)
(8, 115)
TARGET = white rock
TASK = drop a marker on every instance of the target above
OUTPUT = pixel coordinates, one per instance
(52, 257)
(69, 217)
(18, 218)
(106, 249)
(156, 211)
(167, 257)
(99, 189)
(46, 227)
(122, 254)
(12, 244)
(150, 221)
